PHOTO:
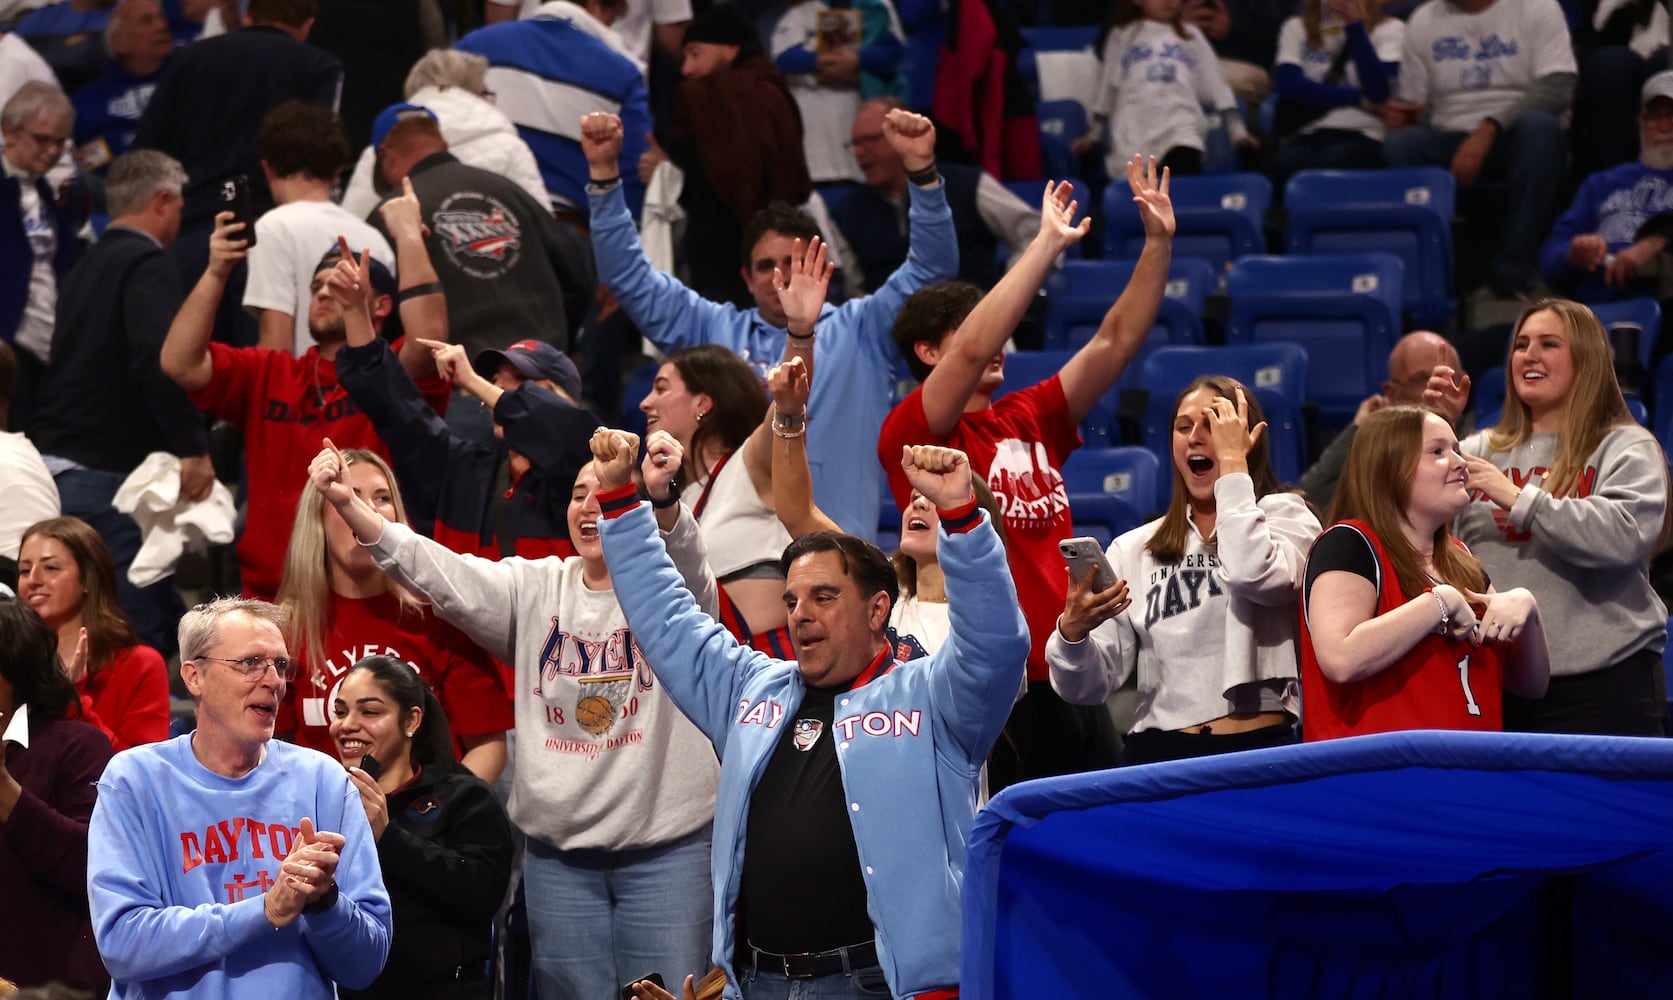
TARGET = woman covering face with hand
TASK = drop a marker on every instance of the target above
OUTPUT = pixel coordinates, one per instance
(444, 842)
(1401, 628)
(1570, 501)
(1204, 598)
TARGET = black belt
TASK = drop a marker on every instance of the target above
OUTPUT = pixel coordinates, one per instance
(811, 964)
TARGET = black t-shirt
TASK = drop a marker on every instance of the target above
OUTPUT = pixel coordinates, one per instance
(802, 888)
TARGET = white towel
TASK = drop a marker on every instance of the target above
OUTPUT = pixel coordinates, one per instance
(168, 524)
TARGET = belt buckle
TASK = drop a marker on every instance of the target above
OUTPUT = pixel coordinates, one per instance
(793, 969)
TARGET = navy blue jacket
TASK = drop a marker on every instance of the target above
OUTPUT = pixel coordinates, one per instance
(105, 402)
(15, 249)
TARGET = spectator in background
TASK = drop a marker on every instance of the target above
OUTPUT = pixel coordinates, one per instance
(508, 269)
(27, 492)
(1618, 44)
(452, 84)
(104, 403)
(646, 24)
(19, 63)
(737, 136)
(1595, 251)
(1491, 82)
(36, 225)
(1157, 77)
(1418, 360)
(66, 575)
(852, 347)
(108, 109)
(302, 151)
(1244, 34)
(953, 338)
(872, 220)
(68, 34)
(562, 60)
(1336, 66)
(287, 405)
(830, 74)
(50, 760)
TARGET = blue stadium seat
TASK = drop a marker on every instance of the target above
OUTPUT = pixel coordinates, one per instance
(1082, 291)
(1129, 472)
(1345, 309)
(1026, 368)
(1061, 123)
(1406, 212)
(1031, 192)
(1219, 217)
(1632, 324)
(1276, 371)
(1667, 666)
(1065, 38)
(1663, 425)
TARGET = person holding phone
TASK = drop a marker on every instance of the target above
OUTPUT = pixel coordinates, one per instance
(1401, 629)
(444, 841)
(1214, 639)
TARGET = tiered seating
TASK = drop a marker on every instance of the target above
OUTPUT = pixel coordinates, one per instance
(1082, 291)
(1219, 217)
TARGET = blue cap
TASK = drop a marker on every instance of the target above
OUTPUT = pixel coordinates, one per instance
(389, 117)
(534, 359)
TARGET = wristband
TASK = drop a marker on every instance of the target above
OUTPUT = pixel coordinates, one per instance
(668, 501)
(1446, 613)
(603, 184)
(418, 291)
(961, 518)
(325, 902)
(798, 336)
(924, 177)
(789, 425)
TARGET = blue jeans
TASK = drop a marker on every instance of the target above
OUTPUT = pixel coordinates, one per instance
(154, 610)
(1530, 159)
(765, 984)
(599, 919)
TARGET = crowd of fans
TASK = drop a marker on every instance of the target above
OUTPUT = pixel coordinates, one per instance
(371, 310)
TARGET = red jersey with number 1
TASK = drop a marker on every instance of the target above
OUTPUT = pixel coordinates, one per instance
(1440, 683)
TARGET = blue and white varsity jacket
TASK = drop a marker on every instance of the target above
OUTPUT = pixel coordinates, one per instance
(910, 741)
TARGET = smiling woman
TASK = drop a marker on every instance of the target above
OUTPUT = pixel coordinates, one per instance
(1401, 629)
(1570, 500)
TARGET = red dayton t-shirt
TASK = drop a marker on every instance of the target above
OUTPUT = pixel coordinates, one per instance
(1019, 445)
(464, 678)
(286, 406)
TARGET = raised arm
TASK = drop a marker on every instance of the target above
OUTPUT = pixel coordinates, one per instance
(969, 349)
(663, 457)
(1262, 543)
(1095, 367)
(802, 293)
(185, 354)
(422, 304)
(792, 479)
(932, 250)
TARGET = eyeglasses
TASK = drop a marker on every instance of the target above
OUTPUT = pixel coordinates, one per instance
(43, 139)
(255, 667)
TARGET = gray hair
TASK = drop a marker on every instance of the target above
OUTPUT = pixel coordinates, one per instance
(447, 68)
(113, 23)
(199, 626)
(136, 176)
(33, 98)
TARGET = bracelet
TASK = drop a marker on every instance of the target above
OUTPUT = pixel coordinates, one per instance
(603, 183)
(418, 291)
(789, 425)
(793, 335)
(668, 501)
(924, 177)
(1446, 613)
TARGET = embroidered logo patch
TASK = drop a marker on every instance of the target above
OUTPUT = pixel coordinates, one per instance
(807, 733)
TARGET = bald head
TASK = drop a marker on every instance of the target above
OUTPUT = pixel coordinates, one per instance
(1413, 359)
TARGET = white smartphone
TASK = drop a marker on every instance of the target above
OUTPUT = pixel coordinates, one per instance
(1083, 553)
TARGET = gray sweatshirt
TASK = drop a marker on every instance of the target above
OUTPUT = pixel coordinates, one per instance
(604, 760)
(1585, 557)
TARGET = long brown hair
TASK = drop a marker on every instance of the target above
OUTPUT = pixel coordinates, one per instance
(906, 568)
(108, 630)
(740, 401)
(1376, 488)
(1594, 406)
(1167, 544)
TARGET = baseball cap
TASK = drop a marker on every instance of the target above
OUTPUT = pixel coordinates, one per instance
(383, 282)
(533, 359)
(1659, 85)
(389, 117)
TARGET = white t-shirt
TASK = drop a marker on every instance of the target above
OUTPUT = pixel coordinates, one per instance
(1153, 90)
(926, 621)
(290, 240)
(633, 27)
(1388, 38)
(27, 492)
(1469, 67)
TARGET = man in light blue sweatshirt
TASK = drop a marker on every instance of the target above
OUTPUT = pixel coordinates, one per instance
(225, 863)
(853, 352)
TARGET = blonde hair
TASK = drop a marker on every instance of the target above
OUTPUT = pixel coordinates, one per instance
(447, 68)
(1376, 488)
(305, 591)
(1594, 406)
